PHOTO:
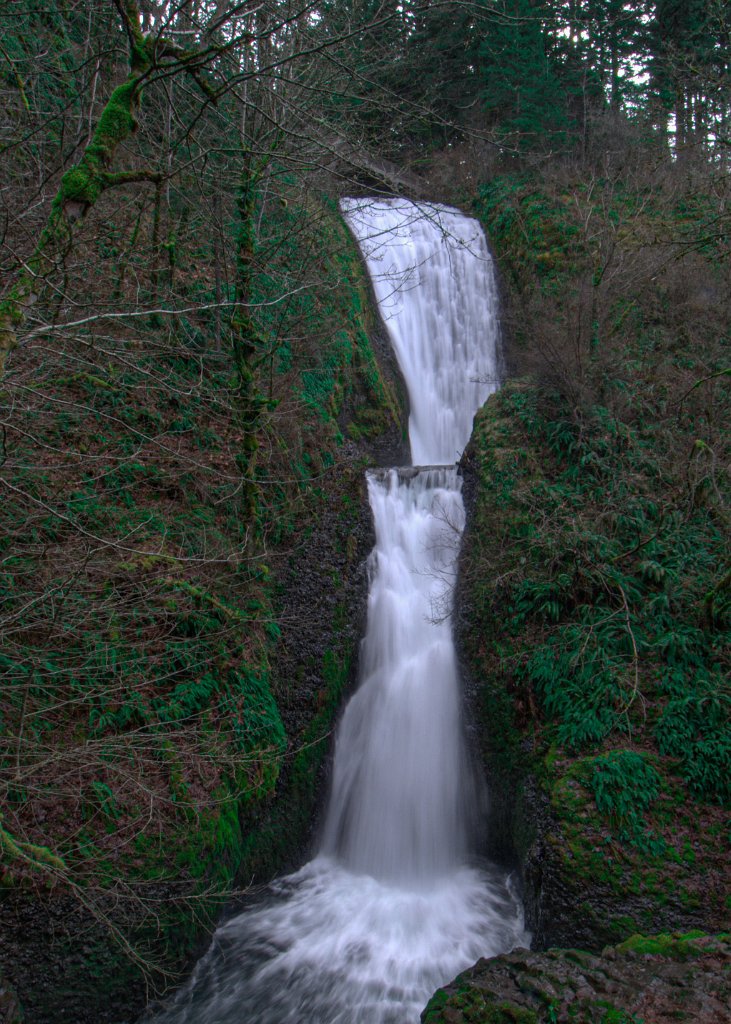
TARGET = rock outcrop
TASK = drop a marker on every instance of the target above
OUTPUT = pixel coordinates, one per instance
(659, 980)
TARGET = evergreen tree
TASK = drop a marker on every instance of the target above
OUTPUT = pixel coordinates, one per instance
(690, 68)
(523, 94)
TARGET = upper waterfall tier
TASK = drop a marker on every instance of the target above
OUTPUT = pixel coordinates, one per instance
(433, 278)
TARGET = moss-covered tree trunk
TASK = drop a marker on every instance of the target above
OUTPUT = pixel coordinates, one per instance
(82, 185)
(249, 346)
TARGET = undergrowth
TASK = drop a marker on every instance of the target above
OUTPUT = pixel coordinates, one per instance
(613, 589)
(597, 569)
(140, 728)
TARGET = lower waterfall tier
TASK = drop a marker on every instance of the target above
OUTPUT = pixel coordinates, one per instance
(402, 786)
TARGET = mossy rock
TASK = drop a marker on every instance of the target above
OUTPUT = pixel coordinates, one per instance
(661, 978)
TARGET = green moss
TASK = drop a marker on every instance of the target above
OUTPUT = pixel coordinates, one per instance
(117, 120)
(468, 1005)
(85, 182)
(38, 858)
(677, 945)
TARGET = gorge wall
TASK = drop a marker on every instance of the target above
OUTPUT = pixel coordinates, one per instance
(236, 736)
(594, 606)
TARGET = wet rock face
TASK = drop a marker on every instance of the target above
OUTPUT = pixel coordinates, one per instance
(10, 1011)
(650, 980)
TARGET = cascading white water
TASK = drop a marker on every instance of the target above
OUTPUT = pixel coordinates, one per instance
(391, 907)
(433, 279)
(400, 775)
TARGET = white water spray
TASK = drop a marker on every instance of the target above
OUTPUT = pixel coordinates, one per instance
(391, 908)
(433, 279)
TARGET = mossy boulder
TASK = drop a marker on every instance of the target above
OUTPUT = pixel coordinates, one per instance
(656, 979)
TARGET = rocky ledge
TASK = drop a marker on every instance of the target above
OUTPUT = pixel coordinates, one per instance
(642, 981)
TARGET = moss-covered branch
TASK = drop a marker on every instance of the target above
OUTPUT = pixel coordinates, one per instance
(82, 185)
(39, 857)
(80, 188)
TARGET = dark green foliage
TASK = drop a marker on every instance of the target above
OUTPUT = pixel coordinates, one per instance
(523, 93)
(624, 785)
(522, 215)
(694, 727)
(598, 563)
(616, 605)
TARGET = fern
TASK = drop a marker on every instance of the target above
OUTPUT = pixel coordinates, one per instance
(625, 785)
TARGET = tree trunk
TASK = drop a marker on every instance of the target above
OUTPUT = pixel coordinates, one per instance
(248, 344)
(80, 188)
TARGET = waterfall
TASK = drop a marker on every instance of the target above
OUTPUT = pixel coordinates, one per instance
(404, 721)
(433, 279)
(392, 906)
